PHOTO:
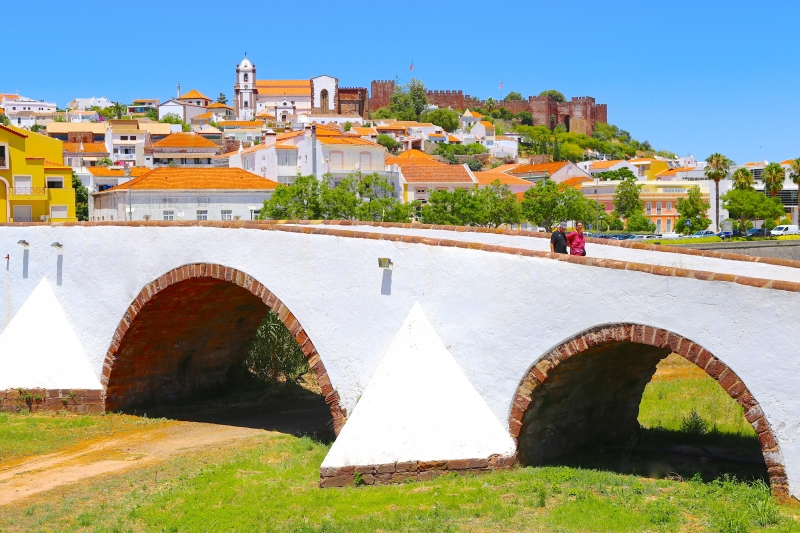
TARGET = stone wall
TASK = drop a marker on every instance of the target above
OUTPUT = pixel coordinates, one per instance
(380, 94)
(72, 400)
(779, 249)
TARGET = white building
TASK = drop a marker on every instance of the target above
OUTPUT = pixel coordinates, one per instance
(82, 104)
(172, 194)
(14, 102)
(185, 110)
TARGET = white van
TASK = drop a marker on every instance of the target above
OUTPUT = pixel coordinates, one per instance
(786, 229)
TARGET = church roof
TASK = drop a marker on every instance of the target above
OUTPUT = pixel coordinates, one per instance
(194, 93)
(197, 178)
(184, 140)
(284, 87)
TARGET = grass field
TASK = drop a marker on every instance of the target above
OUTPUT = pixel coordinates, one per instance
(269, 483)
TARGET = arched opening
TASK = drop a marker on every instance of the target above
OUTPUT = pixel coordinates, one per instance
(566, 121)
(588, 391)
(323, 99)
(189, 331)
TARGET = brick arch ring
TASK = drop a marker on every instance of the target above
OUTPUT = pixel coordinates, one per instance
(657, 337)
(249, 283)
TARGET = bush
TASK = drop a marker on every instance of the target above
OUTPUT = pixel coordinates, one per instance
(274, 353)
(694, 424)
(474, 164)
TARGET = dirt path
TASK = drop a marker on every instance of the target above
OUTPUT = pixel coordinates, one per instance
(120, 453)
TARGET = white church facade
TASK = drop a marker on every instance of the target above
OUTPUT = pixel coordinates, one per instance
(281, 98)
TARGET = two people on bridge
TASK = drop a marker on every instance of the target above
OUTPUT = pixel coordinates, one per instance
(575, 240)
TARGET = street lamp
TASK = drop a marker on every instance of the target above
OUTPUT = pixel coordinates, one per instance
(596, 203)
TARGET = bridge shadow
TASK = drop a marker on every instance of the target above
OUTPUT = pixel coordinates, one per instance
(660, 453)
(288, 408)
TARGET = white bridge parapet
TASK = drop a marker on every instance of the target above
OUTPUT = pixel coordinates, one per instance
(499, 302)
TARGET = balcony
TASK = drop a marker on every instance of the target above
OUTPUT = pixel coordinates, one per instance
(29, 191)
(125, 157)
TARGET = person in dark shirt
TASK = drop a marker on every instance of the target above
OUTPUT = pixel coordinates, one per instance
(558, 241)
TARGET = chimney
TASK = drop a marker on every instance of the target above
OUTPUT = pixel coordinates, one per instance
(179, 89)
(270, 137)
(127, 171)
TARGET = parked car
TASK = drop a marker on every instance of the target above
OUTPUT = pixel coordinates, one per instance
(730, 234)
(785, 229)
(757, 232)
(667, 236)
(702, 233)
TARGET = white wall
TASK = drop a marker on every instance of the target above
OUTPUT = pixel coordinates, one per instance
(352, 310)
(324, 82)
(183, 204)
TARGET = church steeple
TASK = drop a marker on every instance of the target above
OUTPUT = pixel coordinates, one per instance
(244, 89)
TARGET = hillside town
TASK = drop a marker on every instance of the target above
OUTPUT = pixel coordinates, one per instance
(194, 157)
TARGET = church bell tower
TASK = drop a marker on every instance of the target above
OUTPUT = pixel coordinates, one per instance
(244, 90)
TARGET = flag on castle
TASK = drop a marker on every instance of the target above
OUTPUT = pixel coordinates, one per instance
(411, 68)
(501, 84)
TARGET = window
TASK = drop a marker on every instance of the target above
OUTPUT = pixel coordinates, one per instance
(649, 208)
(133, 137)
(123, 138)
(669, 206)
(246, 77)
(58, 211)
(3, 156)
(254, 214)
(55, 183)
(421, 191)
(669, 225)
(658, 208)
(169, 215)
(658, 226)
(227, 214)
(202, 214)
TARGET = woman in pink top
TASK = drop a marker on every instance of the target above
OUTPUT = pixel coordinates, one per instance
(577, 241)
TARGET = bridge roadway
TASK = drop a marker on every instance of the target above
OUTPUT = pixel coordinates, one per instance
(479, 349)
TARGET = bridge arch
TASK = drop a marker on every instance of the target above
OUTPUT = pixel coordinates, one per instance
(217, 303)
(568, 398)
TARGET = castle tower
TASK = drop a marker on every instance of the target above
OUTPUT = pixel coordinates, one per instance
(244, 89)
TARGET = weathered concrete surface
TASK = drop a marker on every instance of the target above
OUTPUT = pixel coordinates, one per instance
(499, 302)
(779, 249)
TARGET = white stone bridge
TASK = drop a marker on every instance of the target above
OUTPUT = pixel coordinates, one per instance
(477, 350)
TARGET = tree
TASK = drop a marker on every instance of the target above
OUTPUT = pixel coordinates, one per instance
(774, 175)
(152, 114)
(717, 169)
(105, 162)
(388, 142)
(222, 99)
(626, 198)
(548, 203)
(4, 120)
(409, 101)
(81, 198)
(525, 118)
(456, 208)
(572, 152)
(693, 209)
(172, 118)
(474, 164)
(447, 119)
(36, 128)
(348, 126)
(274, 353)
(742, 179)
(554, 95)
(514, 95)
(748, 205)
(613, 175)
(118, 109)
(497, 205)
(338, 202)
(639, 223)
(383, 112)
(298, 201)
(794, 171)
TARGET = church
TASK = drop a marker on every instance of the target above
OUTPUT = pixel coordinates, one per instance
(281, 98)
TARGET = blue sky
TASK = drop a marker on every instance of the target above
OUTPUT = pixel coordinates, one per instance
(691, 77)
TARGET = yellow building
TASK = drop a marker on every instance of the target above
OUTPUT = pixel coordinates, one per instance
(34, 183)
(649, 167)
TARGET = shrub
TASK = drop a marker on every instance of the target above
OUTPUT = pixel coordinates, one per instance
(274, 353)
(694, 424)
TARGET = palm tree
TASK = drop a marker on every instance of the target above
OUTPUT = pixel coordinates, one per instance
(773, 177)
(794, 171)
(742, 179)
(118, 109)
(717, 169)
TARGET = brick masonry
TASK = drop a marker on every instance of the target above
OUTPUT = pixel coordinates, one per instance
(576, 371)
(409, 471)
(173, 340)
(72, 400)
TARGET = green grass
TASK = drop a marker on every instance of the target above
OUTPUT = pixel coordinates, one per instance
(44, 432)
(271, 485)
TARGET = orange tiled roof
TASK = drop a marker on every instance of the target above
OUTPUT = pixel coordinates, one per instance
(51, 165)
(284, 91)
(488, 177)
(197, 178)
(95, 148)
(184, 140)
(283, 83)
(436, 135)
(436, 173)
(290, 135)
(453, 139)
(13, 130)
(194, 93)
(106, 172)
(541, 168)
(673, 171)
(575, 182)
(597, 165)
(352, 141)
(219, 105)
(243, 123)
(487, 124)
(364, 131)
(203, 116)
(787, 162)
(416, 154)
(285, 147)
(506, 167)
